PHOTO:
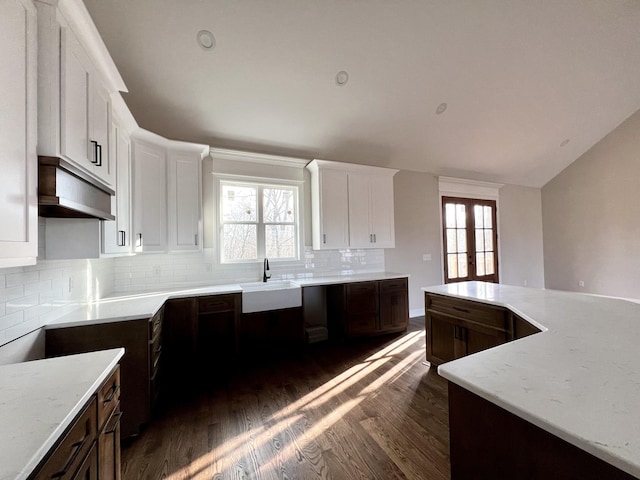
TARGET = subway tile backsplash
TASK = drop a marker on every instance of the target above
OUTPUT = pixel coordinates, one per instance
(160, 271)
(33, 296)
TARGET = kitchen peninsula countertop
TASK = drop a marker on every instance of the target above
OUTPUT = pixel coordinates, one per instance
(40, 399)
(131, 306)
(578, 379)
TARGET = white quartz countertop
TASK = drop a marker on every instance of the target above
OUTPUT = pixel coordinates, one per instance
(39, 400)
(579, 379)
(138, 305)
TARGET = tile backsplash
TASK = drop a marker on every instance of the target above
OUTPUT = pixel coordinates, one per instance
(33, 296)
(157, 271)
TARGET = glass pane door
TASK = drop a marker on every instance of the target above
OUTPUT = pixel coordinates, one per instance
(470, 239)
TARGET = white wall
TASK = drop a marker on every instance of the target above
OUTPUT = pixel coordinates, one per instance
(418, 232)
(591, 218)
(520, 222)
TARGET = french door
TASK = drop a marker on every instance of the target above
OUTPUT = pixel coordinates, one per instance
(470, 240)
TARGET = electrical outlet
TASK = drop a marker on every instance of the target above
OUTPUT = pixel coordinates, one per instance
(524, 283)
(581, 283)
(426, 257)
(208, 267)
(156, 270)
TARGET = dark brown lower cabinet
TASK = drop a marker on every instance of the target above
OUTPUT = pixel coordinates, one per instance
(457, 327)
(274, 331)
(487, 441)
(140, 365)
(90, 447)
(367, 308)
(217, 338)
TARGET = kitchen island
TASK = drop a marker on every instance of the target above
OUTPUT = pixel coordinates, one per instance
(578, 379)
(40, 400)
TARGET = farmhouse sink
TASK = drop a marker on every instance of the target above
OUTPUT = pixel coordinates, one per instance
(275, 295)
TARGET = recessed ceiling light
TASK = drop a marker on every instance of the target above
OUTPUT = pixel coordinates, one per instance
(206, 39)
(342, 78)
(564, 142)
(441, 108)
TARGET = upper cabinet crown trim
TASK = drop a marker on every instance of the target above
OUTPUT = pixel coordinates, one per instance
(78, 18)
(351, 167)
(240, 156)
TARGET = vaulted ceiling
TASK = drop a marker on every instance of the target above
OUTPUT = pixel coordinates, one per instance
(528, 85)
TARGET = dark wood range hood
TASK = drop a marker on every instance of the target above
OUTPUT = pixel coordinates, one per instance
(64, 191)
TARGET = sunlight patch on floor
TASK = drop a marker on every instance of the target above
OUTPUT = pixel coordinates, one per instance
(233, 452)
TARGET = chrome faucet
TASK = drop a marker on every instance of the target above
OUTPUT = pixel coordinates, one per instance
(266, 277)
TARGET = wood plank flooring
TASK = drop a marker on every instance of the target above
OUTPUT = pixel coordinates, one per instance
(369, 409)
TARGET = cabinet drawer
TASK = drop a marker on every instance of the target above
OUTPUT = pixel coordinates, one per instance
(108, 397)
(155, 324)
(476, 312)
(155, 350)
(74, 447)
(397, 284)
(217, 303)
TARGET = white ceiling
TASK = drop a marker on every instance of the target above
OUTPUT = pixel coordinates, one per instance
(519, 77)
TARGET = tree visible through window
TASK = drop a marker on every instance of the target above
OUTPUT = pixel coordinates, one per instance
(258, 220)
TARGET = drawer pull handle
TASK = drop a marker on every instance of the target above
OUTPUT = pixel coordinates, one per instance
(460, 309)
(116, 420)
(159, 349)
(114, 389)
(77, 449)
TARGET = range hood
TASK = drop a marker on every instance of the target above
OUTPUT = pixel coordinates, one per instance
(64, 191)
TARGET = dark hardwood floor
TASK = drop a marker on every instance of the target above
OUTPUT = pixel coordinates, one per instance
(364, 409)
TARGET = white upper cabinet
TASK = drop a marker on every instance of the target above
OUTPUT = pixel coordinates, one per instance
(329, 211)
(167, 213)
(18, 182)
(77, 78)
(371, 215)
(354, 203)
(184, 167)
(149, 196)
(116, 234)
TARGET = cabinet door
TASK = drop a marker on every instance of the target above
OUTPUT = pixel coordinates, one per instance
(74, 101)
(381, 213)
(109, 448)
(116, 234)
(150, 198)
(333, 231)
(362, 308)
(477, 339)
(100, 134)
(394, 305)
(18, 201)
(442, 344)
(183, 195)
(360, 233)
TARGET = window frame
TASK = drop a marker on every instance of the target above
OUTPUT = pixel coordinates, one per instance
(260, 184)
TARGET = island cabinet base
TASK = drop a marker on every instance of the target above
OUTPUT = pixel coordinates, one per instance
(486, 441)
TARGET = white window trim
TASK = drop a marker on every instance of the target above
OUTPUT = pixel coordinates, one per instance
(461, 187)
(261, 181)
